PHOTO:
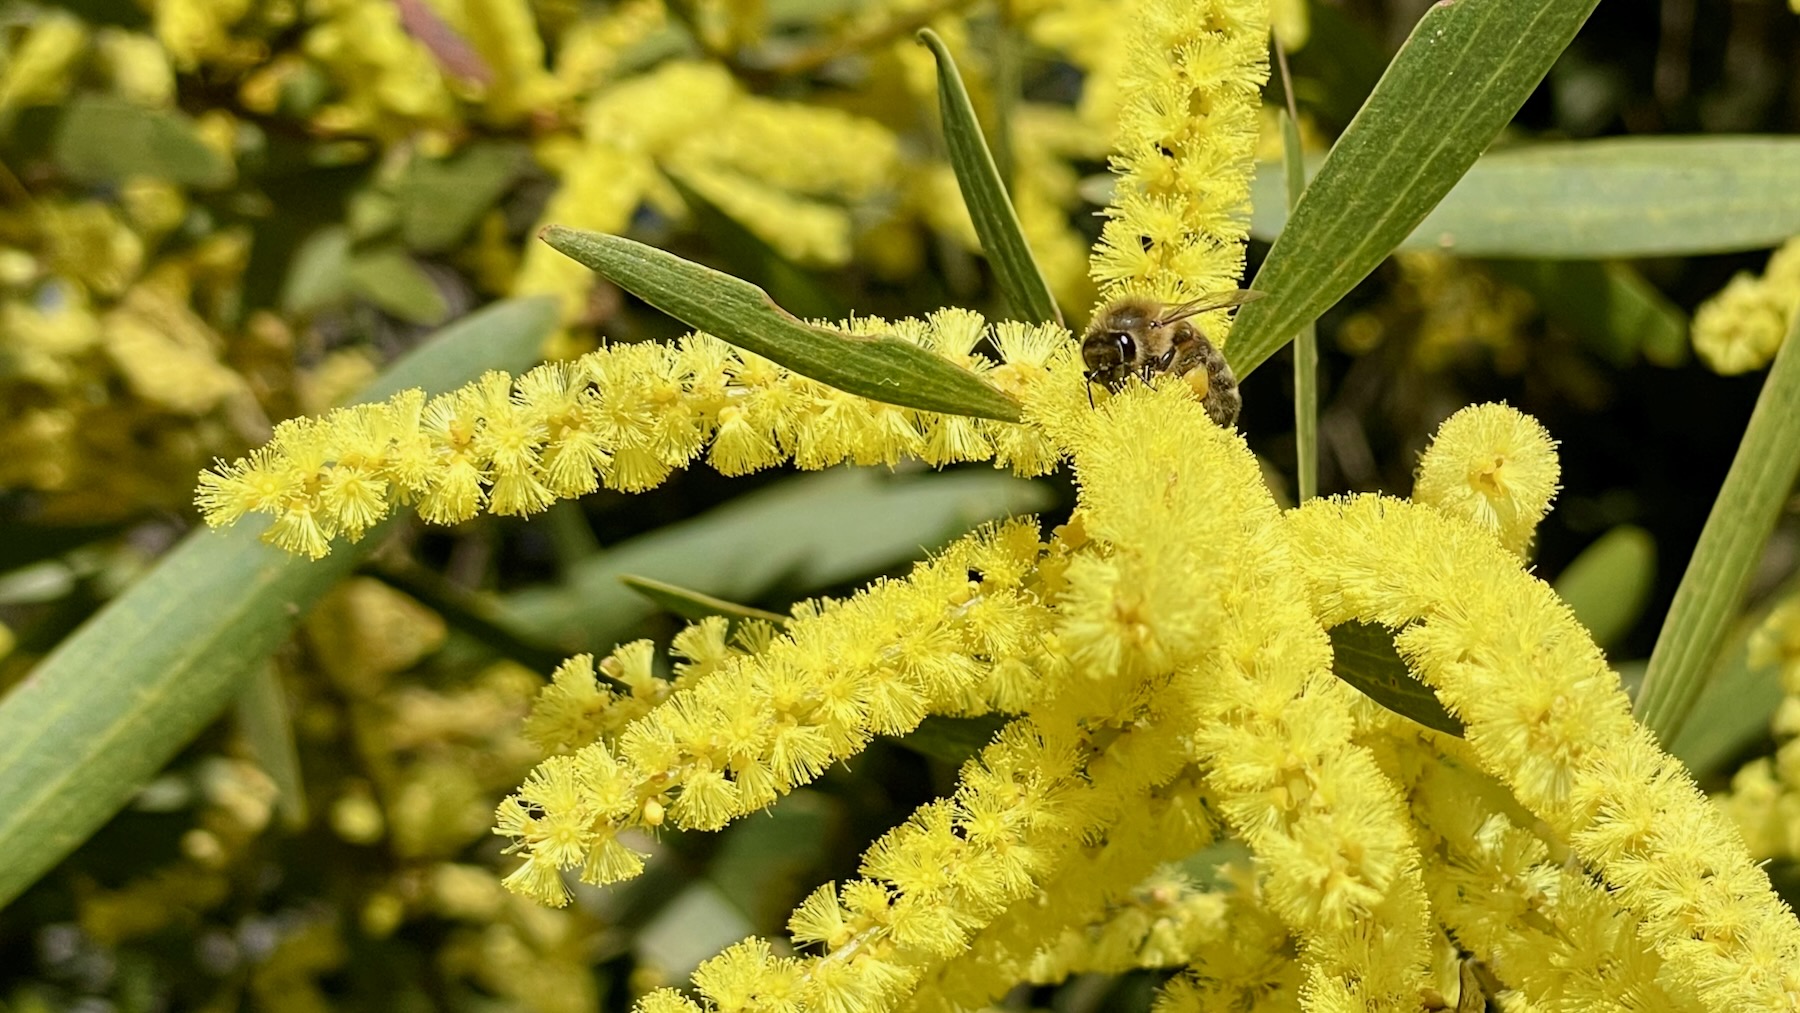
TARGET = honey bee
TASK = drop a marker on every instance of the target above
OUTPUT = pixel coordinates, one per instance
(1138, 336)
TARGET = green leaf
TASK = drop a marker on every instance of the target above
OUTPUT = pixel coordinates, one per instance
(468, 612)
(442, 199)
(1468, 67)
(692, 605)
(797, 536)
(756, 261)
(953, 740)
(319, 274)
(1608, 584)
(108, 140)
(985, 193)
(1306, 342)
(1734, 710)
(103, 712)
(267, 728)
(391, 279)
(1363, 655)
(1619, 197)
(762, 864)
(1608, 306)
(880, 368)
(1759, 482)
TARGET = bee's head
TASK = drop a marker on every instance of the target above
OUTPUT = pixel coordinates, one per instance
(1108, 351)
(1113, 347)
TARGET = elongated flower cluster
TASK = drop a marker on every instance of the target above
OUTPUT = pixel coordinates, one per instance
(622, 417)
(1187, 132)
(1175, 684)
(1162, 660)
(758, 724)
(1548, 719)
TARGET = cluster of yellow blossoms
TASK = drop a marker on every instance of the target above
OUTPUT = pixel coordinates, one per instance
(1162, 659)
(1165, 657)
(1742, 327)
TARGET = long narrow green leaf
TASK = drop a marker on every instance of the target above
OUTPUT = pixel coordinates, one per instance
(104, 711)
(1468, 67)
(1363, 655)
(1734, 710)
(985, 193)
(1306, 342)
(881, 368)
(1619, 197)
(1761, 476)
(690, 604)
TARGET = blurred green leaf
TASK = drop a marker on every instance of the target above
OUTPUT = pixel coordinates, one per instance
(1363, 655)
(1608, 305)
(696, 924)
(390, 278)
(104, 711)
(951, 739)
(755, 261)
(442, 199)
(319, 275)
(1414, 137)
(984, 191)
(760, 862)
(692, 605)
(1608, 584)
(1733, 711)
(264, 722)
(108, 140)
(804, 533)
(26, 543)
(1761, 478)
(1619, 197)
(880, 368)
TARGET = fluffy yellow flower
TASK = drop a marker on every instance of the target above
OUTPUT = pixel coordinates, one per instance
(1494, 467)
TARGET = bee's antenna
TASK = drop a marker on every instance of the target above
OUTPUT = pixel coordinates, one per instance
(1090, 389)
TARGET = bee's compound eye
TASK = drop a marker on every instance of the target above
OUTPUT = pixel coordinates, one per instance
(1127, 347)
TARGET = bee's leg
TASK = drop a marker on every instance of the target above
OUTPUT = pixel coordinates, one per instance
(1222, 400)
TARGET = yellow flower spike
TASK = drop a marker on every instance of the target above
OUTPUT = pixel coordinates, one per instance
(1544, 927)
(625, 417)
(1175, 495)
(1546, 716)
(757, 725)
(1175, 229)
(1164, 826)
(1494, 467)
(1742, 327)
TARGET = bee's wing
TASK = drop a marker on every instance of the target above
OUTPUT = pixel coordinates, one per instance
(1209, 302)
